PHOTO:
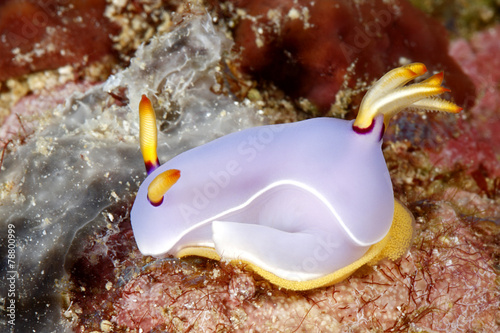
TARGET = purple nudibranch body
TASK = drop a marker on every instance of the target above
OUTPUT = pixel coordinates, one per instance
(303, 204)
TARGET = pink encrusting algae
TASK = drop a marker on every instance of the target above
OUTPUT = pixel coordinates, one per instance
(84, 272)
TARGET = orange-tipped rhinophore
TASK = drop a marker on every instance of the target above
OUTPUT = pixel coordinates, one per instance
(148, 134)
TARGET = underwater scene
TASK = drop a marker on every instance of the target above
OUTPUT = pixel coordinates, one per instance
(249, 166)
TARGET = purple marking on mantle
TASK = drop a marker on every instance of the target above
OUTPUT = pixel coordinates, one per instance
(156, 204)
(369, 129)
(150, 167)
(366, 130)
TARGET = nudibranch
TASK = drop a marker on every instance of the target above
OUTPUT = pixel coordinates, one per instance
(303, 204)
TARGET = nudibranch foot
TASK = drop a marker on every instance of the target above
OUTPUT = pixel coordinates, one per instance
(392, 246)
(303, 204)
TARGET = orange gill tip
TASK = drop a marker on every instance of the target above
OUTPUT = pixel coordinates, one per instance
(434, 80)
(161, 184)
(148, 134)
(417, 67)
(388, 96)
(436, 104)
(406, 97)
(393, 79)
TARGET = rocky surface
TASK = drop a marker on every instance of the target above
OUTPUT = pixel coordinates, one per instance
(314, 50)
(41, 35)
(70, 173)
